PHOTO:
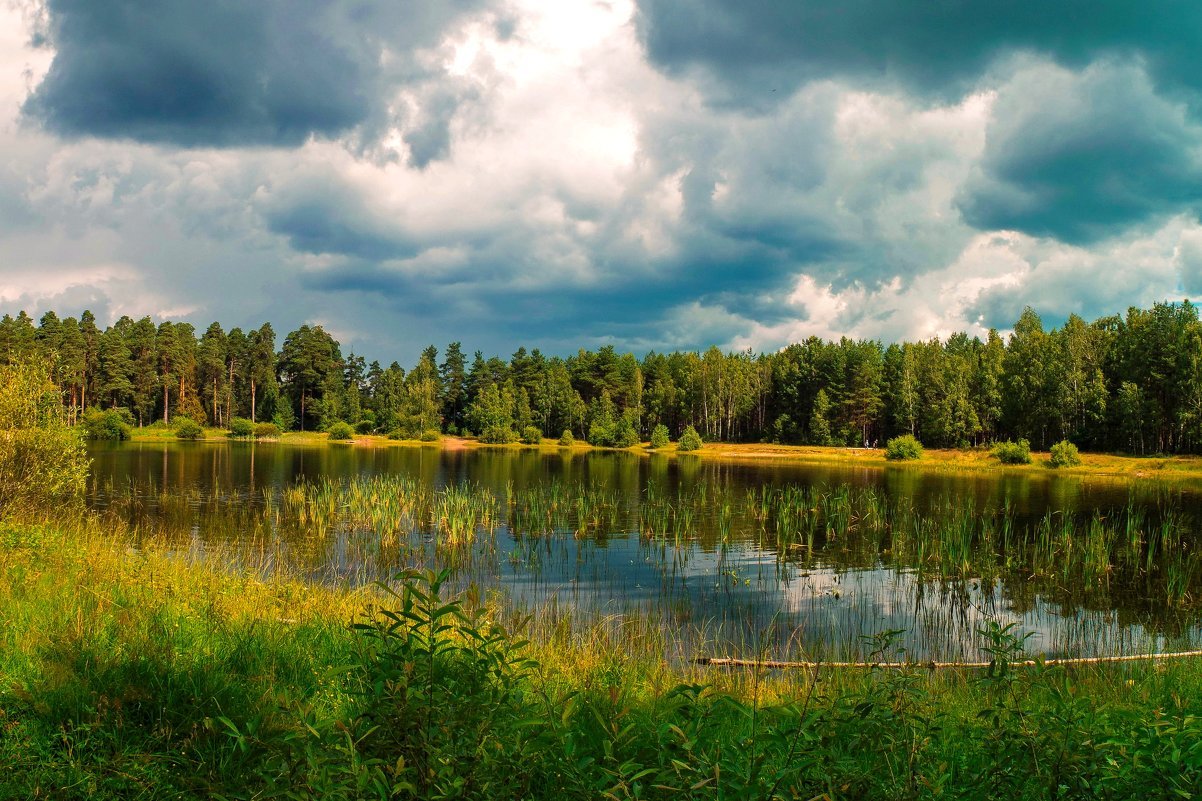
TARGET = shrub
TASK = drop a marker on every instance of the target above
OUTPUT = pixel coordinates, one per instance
(365, 426)
(600, 435)
(625, 435)
(1013, 452)
(267, 431)
(241, 427)
(903, 448)
(341, 432)
(431, 435)
(187, 428)
(115, 424)
(498, 435)
(659, 436)
(690, 440)
(1065, 454)
(42, 460)
(566, 440)
(531, 435)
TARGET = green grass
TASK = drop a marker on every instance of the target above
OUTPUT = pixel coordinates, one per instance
(139, 672)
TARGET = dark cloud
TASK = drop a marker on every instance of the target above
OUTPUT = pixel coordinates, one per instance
(225, 72)
(335, 222)
(1080, 158)
(754, 49)
(429, 139)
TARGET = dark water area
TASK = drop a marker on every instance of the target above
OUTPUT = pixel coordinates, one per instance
(725, 557)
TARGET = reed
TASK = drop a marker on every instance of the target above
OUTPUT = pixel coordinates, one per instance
(133, 669)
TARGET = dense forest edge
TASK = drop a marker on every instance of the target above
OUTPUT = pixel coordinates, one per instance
(1129, 384)
(132, 669)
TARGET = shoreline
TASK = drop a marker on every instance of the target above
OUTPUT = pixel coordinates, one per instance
(977, 460)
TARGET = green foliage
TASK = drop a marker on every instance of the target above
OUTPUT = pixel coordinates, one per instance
(1130, 383)
(365, 427)
(690, 440)
(603, 422)
(659, 436)
(625, 435)
(266, 431)
(341, 432)
(498, 435)
(241, 427)
(426, 696)
(531, 435)
(431, 435)
(820, 426)
(110, 424)
(492, 413)
(566, 439)
(1008, 452)
(42, 459)
(284, 418)
(458, 681)
(187, 428)
(1065, 454)
(903, 448)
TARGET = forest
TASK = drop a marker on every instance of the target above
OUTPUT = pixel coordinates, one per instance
(1128, 384)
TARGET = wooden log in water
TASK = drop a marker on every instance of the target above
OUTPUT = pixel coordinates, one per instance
(773, 664)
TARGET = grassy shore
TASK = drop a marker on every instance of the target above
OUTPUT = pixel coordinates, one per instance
(130, 670)
(946, 460)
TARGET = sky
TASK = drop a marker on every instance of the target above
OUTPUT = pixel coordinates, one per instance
(651, 174)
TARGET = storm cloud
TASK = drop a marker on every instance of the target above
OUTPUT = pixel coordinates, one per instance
(651, 174)
(750, 49)
(1080, 157)
(226, 72)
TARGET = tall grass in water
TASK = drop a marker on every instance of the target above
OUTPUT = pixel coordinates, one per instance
(143, 674)
(1131, 559)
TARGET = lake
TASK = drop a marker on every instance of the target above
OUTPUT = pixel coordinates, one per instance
(723, 558)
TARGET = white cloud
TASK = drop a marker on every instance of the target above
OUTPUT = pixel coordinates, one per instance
(581, 197)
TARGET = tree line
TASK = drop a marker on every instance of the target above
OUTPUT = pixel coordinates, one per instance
(1128, 383)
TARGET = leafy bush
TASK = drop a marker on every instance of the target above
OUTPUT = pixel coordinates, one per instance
(903, 448)
(531, 435)
(114, 424)
(341, 432)
(618, 434)
(498, 435)
(659, 436)
(241, 427)
(187, 428)
(1013, 452)
(566, 440)
(431, 435)
(42, 459)
(267, 431)
(625, 435)
(690, 440)
(600, 435)
(1065, 454)
(365, 426)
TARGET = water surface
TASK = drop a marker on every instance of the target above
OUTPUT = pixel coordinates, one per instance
(706, 549)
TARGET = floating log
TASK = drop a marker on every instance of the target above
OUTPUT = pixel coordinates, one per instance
(773, 664)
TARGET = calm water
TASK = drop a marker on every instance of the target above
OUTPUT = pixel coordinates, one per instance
(680, 543)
